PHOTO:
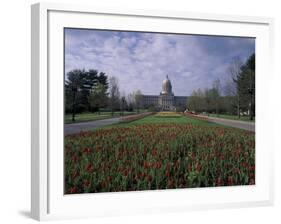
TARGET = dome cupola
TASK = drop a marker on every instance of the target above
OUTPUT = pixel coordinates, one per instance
(166, 87)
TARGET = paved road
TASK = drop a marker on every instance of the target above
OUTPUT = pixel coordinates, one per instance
(249, 126)
(86, 126)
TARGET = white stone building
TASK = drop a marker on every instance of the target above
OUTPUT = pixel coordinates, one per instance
(166, 100)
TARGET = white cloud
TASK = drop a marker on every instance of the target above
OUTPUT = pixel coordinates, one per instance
(142, 60)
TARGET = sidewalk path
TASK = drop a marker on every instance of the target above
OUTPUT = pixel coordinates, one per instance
(89, 125)
(246, 125)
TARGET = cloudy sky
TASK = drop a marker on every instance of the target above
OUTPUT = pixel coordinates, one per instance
(142, 60)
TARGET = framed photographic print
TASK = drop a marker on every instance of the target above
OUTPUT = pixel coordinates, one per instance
(146, 111)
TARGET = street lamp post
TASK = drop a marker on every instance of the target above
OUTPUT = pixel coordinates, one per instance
(251, 92)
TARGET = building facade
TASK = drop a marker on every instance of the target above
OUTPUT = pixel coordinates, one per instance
(166, 100)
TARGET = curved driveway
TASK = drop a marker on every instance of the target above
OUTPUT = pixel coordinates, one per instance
(249, 126)
(88, 125)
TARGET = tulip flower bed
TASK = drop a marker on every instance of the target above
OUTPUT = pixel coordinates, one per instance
(167, 115)
(194, 116)
(135, 117)
(158, 156)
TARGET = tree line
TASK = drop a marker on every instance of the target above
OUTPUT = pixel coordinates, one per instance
(237, 97)
(91, 91)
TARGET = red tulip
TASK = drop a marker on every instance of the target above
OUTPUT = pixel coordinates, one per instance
(75, 174)
(149, 178)
(90, 168)
(73, 190)
(154, 152)
(87, 184)
(252, 182)
(219, 181)
(189, 167)
(109, 178)
(74, 158)
(230, 181)
(87, 150)
(125, 172)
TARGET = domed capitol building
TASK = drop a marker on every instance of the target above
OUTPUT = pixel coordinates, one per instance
(166, 100)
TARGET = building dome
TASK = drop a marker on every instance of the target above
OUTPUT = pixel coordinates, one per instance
(166, 86)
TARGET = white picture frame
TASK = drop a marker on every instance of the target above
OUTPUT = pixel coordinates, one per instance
(47, 198)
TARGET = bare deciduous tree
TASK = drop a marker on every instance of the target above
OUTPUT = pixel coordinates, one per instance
(216, 94)
(232, 86)
(98, 97)
(114, 94)
(138, 99)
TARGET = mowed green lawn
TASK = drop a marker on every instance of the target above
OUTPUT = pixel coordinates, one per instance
(82, 117)
(155, 119)
(173, 120)
(232, 117)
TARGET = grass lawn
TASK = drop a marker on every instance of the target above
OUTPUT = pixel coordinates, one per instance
(232, 117)
(92, 116)
(155, 119)
(169, 120)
